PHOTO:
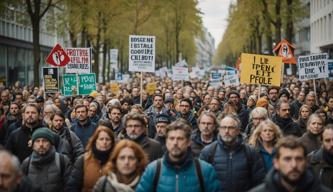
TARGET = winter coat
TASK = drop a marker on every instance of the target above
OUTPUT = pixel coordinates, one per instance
(322, 169)
(183, 178)
(25, 185)
(18, 142)
(310, 141)
(197, 144)
(46, 172)
(190, 118)
(243, 115)
(84, 132)
(72, 143)
(302, 124)
(109, 183)
(287, 126)
(151, 114)
(308, 183)
(294, 109)
(239, 168)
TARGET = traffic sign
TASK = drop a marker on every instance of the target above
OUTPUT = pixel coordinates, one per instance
(58, 57)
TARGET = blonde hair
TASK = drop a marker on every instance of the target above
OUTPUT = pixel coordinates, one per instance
(255, 136)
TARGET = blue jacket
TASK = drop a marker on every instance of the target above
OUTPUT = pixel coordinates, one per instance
(84, 132)
(183, 179)
(238, 169)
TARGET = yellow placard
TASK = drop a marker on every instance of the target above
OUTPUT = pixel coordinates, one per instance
(114, 87)
(151, 88)
(261, 69)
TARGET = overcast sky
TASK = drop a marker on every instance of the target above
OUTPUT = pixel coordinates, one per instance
(215, 14)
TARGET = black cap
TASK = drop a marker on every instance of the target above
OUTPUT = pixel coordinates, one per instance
(39, 99)
(162, 118)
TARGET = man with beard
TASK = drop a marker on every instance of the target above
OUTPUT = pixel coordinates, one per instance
(273, 95)
(114, 116)
(48, 169)
(321, 160)
(206, 134)
(290, 171)
(11, 177)
(68, 143)
(177, 170)
(12, 117)
(242, 112)
(230, 155)
(19, 142)
(185, 107)
(83, 127)
(296, 105)
(156, 109)
(136, 130)
(283, 119)
(162, 121)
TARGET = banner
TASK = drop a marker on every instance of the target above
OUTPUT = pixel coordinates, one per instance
(141, 53)
(151, 88)
(80, 60)
(313, 66)
(180, 73)
(51, 79)
(69, 84)
(114, 59)
(330, 68)
(114, 88)
(231, 80)
(261, 69)
(87, 83)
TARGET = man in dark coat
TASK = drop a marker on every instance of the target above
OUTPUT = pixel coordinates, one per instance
(242, 112)
(290, 171)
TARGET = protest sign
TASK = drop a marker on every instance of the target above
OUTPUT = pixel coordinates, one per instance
(141, 53)
(80, 60)
(180, 73)
(87, 83)
(51, 79)
(114, 87)
(150, 88)
(114, 59)
(70, 84)
(330, 68)
(261, 69)
(231, 80)
(215, 75)
(312, 66)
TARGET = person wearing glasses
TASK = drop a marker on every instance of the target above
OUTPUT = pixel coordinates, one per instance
(238, 166)
(185, 112)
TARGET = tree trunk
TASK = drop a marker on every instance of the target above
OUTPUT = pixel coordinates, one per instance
(278, 22)
(36, 51)
(268, 30)
(73, 39)
(104, 61)
(289, 27)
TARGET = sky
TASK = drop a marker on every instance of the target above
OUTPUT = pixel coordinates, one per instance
(215, 14)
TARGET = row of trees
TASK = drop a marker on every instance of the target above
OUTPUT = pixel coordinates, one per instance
(254, 25)
(106, 24)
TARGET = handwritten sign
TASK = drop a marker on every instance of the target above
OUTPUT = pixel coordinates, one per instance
(80, 60)
(70, 84)
(141, 53)
(87, 83)
(313, 66)
(51, 79)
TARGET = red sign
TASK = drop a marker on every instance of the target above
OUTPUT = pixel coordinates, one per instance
(286, 51)
(58, 57)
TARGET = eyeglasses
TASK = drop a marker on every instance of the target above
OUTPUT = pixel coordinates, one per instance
(258, 118)
(228, 128)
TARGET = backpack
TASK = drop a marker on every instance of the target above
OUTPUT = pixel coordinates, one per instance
(197, 170)
(59, 160)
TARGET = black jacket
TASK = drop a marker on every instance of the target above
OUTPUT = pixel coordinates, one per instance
(287, 126)
(197, 144)
(308, 183)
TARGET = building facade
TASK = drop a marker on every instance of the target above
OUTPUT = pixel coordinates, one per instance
(205, 49)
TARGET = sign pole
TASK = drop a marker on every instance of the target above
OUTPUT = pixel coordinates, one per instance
(259, 92)
(141, 88)
(314, 89)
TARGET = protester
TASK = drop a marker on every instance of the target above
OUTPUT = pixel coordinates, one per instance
(114, 116)
(90, 166)
(290, 171)
(124, 168)
(257, 115)
(162, 121)
(303, 117)
(191, 174)
(296, 105)
(321, 160)
(263, 139)
(229, 154)
(48, 169)
(186, 113)
(242, 112)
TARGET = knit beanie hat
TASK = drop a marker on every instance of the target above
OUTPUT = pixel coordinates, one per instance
(43, 133)
(262, 102)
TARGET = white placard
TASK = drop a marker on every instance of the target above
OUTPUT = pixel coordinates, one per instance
(312, 66)
(80, 60)
(141, 53)
(231, 80)
(180, 73)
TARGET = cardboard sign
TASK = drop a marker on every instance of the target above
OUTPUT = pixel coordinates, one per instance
(70, 84)
(261, 69)
(214, 75)
(58, 57)
(151, 88)
(231, 80)
(180, 73)
(87, 83)
(114, 87)
(330, 68)
(80, 60)
(312, 66)
(141, 53)
(51, 79)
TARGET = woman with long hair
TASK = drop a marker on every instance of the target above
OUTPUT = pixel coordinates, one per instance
(124, 169)
(304, 114)
(90, 166)
(263, 139)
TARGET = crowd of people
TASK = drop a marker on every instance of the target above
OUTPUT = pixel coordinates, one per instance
(186, 136)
